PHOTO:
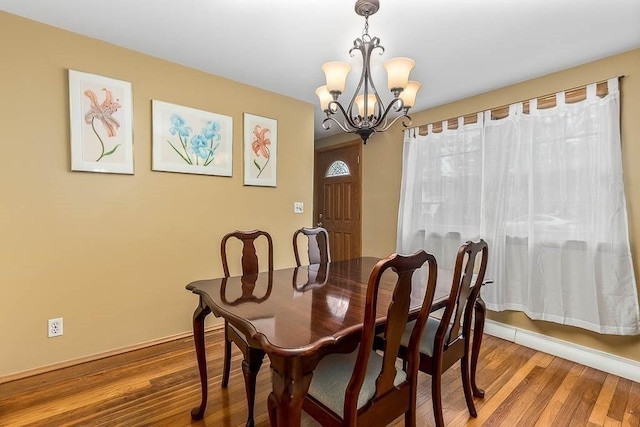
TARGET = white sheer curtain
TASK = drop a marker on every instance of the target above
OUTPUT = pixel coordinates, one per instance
(440, 197)
(551, 207)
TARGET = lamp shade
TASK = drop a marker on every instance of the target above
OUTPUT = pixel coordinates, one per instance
(371, 104)
(336, 74)
(409, 93)
(398, 70)
(325, 97)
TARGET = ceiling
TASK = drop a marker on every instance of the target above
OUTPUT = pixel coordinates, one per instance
(461, 47)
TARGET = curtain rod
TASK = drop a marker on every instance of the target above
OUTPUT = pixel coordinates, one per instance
(471, 117)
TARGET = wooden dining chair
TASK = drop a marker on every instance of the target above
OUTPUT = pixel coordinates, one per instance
(253, 355)
(318, 245)
(363, 387)
(447, 340)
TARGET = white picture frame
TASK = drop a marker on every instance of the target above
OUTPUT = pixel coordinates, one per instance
(101, 123)
(188, 140)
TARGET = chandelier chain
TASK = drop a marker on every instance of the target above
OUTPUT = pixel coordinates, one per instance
(365, 32)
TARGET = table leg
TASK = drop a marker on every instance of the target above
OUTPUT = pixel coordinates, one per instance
(198, 337)
(290, 386)
(478, 329)
(250, 367)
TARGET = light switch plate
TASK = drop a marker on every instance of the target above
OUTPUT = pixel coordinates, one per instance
(298, 207)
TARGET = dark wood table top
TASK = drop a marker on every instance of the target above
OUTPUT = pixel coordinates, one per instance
(298, 310)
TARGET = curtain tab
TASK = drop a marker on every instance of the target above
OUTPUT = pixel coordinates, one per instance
(592, 90)
(533, 105)
(406, 135)
(430, 128)
(487, 116)
(410, 134)
(612, 85)
(515, 109)
(560, 99)
(460, 122)
(445, 125)
(480, 117)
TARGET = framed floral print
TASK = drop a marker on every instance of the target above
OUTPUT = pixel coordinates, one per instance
(101, 113)
(188, 140)
(260, 150)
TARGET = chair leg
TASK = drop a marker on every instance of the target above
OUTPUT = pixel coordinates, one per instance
(409, 419)
(410, 416)
(272, 408)
(227, 356)
(466, 385)
(436, 398)
(480, 312)
(250, 368)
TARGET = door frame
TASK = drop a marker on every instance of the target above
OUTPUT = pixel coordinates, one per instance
(317, 180)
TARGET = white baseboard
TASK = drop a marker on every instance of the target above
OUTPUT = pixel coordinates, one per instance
(606, 362)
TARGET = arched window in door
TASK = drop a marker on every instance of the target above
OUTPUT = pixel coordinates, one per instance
(337, 168)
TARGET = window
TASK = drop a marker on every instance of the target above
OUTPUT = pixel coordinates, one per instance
(337, 168)
(545, 190)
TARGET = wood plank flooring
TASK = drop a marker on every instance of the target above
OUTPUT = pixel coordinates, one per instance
(158, 386)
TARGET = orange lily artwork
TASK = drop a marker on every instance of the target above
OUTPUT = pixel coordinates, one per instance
(260, 150)
(260, 146)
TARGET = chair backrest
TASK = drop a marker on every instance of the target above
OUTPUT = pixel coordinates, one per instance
(456, 320)
(249, 255)
(318, 243)
(397, 316)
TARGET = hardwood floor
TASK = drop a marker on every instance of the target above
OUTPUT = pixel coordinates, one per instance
(158, 386)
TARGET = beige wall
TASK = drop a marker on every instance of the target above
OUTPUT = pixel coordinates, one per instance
(113, 253)
(383, 152)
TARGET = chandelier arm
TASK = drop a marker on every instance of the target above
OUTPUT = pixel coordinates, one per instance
(366, 46)
(349, 121)
(326, 124)
(375, 44)
(405, 124)
(378, 107)
(375, 119)
(360, 45)
(397, 105)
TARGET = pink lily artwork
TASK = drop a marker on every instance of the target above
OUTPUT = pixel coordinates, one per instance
(103, 112)
(101, 123)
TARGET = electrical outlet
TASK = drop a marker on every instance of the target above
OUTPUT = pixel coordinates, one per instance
(298, 207)
(55, 327)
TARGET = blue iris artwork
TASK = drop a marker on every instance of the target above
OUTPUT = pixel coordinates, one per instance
(198, 149)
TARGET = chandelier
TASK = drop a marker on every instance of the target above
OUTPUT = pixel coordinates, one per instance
(366, 113)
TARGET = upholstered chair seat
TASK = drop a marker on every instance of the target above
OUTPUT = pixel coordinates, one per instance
(428, 335)
(332, 375)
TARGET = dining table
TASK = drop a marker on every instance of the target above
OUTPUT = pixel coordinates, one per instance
(299, 315)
